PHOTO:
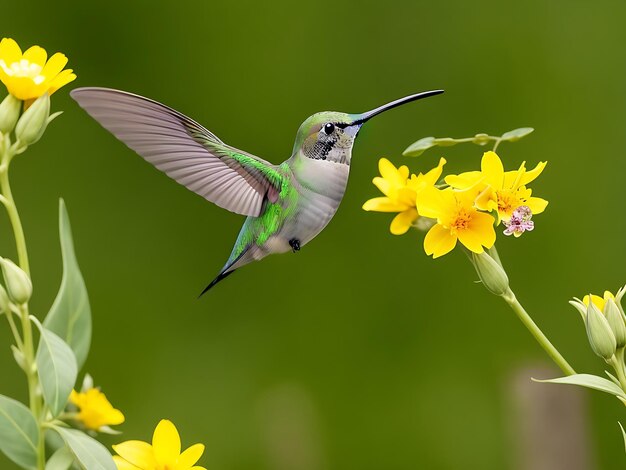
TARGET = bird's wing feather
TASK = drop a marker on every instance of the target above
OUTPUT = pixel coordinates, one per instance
(184, 150)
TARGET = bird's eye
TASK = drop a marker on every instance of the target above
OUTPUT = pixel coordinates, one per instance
(329, 128)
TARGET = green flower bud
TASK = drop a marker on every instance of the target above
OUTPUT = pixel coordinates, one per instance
(19, 286)
(34, 121)
(481, 139)
(601, 337)
(9, 113)
(616, 322)
(4, 301)
(491, 274)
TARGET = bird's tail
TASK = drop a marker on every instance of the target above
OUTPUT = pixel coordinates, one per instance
(230, 267)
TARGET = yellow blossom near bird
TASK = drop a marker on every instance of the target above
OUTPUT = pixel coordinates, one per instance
(95, 411)
(400, 193)
(457, 220)
(163, 454)
(31, 74)
(498, 190)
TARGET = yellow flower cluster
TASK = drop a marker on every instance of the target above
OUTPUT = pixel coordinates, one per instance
(465, 208)
(96, 413)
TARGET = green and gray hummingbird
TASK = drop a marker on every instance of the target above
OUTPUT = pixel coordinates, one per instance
(286, 205)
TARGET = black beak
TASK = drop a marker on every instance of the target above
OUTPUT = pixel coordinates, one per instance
(361, 118)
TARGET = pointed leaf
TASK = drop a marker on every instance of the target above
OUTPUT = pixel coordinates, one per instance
(70, 314)
(517, 134)
(623, 434)
(419, 147)
(57, 369)
(19, 437)
(62, 459)
(590, 381)
(89, 452)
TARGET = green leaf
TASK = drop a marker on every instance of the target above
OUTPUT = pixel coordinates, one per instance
(590, 381)
(62, 459)
(89, 452)
(445, 142)
(70, 314)
(419, 147)
(57, 369)
(623, 434)
(19, 436)
(517, 134)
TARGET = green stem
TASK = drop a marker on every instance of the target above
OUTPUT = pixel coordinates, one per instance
(27, 346)
(543, 341)
(14, 217)
(16, 333)
(618, 364)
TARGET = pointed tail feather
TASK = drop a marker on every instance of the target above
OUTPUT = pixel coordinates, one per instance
(219, 277)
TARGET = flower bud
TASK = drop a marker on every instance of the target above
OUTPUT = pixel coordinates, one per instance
(491, 274)
(481, 139)
(19, 286)
(9, 113)
(601, 337)
(4, 301)
(34, 121)
(616, 322)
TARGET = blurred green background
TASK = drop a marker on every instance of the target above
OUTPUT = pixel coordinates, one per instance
(359, 352)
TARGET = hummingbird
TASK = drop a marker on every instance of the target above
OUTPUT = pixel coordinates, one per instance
(286, 205)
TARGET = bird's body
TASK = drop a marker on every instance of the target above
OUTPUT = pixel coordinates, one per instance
(286, 205)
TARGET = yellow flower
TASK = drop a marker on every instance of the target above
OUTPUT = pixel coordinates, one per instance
(400, 193)
(457, 219)
(27, 76)
(95, 411)
(499, 190)
(599, 301)
(163, 454)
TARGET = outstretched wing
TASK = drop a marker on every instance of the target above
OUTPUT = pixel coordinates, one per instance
(184, 150)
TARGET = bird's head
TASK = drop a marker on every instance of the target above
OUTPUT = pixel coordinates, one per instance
(330, 135)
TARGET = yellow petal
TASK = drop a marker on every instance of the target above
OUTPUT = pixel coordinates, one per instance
(122, 464)
(492, 170)
(166, 443)
(479, 232)
(75, 398)
(36, 55)
(54, 66)
(439, 241)
(61, 79)
(608, 295)
(137, 453)
(596, 299)
(9, 51)
(390, 173)
(402, 222)
(531, 175)
(464, 180)
(435, 203)
(487, 200)
(188, 458)
(383, 185)
(383, 204)
(197, 468)
(536, 204)
(114, 417)
(432, 176)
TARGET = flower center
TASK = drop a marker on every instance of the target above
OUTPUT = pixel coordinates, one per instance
(507, 202)
(24, 68)
(461, 221)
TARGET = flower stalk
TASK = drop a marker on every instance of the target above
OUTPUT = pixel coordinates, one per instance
(510, 298)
